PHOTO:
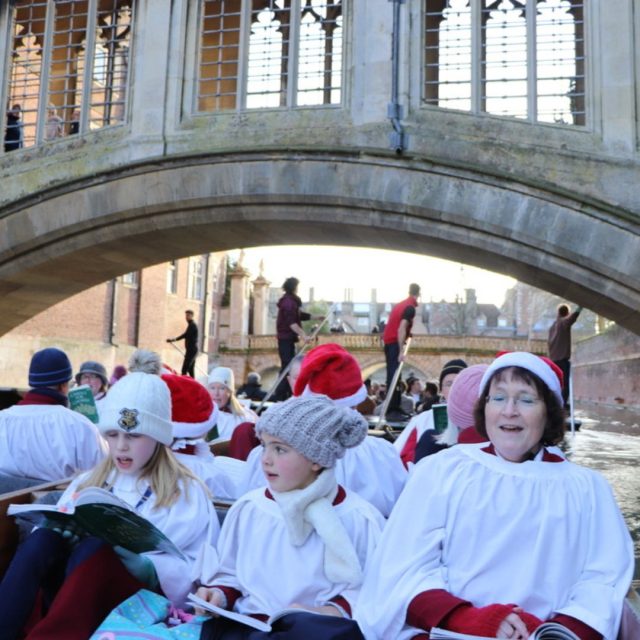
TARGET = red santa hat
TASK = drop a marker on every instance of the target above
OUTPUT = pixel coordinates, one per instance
(331, 370)
(193, 412)
(545, 369)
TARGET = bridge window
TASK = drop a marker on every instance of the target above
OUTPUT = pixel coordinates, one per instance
(196, 278)
(131, 279)
(524, 59)
(269, 53)
(172, 277)
(69, 65)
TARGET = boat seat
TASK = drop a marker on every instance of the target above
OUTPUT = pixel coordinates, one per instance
(630, 624)
(9, 484)
(220, 447)
(9, 531)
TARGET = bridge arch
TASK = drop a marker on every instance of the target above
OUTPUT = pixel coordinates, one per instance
(99, 227)
(554, 206)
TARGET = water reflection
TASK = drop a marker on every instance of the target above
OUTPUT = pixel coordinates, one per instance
(609, 441)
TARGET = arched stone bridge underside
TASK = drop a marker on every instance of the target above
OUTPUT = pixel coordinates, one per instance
(81, 232)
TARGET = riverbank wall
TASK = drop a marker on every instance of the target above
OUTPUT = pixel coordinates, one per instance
(606, 370)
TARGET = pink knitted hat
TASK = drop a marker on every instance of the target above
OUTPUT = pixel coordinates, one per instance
(464, 395)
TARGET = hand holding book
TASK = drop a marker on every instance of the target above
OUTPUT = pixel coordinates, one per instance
(546, 631)
(99, 513)
(209, 607)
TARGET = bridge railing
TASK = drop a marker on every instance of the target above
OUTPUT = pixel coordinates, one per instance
(486, 345)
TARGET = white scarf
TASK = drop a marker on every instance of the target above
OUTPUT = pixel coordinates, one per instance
(311, 508)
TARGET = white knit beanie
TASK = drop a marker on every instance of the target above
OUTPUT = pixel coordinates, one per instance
(139, 404)
(222, 375)
(315, 427)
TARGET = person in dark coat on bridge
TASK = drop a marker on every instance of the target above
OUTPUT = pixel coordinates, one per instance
(190, 337)
(559, 343)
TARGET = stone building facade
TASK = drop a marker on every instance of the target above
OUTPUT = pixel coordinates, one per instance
(109, 321)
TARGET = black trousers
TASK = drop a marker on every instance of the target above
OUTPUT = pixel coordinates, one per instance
(565, 366)
(286, 351)
(189, 363)
(391, 354)
(293, 626)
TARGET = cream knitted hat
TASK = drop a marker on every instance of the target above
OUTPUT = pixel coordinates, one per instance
(139, 404)
(224, 376)
(315, 427)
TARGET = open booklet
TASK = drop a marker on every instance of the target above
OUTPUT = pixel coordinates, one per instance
(81, 400)
(241, 617)
(546, 631)
(99, 513)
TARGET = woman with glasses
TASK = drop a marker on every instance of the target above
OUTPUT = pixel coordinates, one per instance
(493, 539)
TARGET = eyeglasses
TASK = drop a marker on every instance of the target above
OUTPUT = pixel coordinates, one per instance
(522, 401)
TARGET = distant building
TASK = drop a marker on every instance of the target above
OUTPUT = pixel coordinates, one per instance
(468, 317)
(109, 321)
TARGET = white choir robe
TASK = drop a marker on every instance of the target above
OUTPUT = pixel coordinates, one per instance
(209, 468)
(373, 470)
(547, 536)
(257, 558)
(49, 442)
(227, 422)
(190, 523)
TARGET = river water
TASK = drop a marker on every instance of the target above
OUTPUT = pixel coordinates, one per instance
(609, 441)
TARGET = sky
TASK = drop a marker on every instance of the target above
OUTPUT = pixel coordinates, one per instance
(331, 270)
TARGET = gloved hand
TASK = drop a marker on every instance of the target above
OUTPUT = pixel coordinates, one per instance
(138, 566)
(70, 533)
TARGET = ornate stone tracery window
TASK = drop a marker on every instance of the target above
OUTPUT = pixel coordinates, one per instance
(519, 58)
(269, 54)
(69, 65)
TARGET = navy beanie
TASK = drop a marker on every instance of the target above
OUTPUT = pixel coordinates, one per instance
(49, 367)
(453, 366)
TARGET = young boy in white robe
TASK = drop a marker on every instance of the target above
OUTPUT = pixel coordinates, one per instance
(373, 469)
(304, 541)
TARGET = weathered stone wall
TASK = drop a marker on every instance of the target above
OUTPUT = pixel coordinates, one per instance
(607, 369)
(556, 207)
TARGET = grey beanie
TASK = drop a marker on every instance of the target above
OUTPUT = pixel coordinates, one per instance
(92, 367)
(315, 427)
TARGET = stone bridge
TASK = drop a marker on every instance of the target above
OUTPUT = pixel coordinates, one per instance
(427, 353)
(176, 160)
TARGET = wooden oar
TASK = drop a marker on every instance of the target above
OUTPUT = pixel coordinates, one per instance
(182, 353)
(394, 382)
(285, 371)
(572, 418)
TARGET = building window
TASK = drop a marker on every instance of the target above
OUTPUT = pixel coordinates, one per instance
(69, 65)
(131, 279)
(172, 277)
(524, 59)
(274, 53)
(196, 278)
